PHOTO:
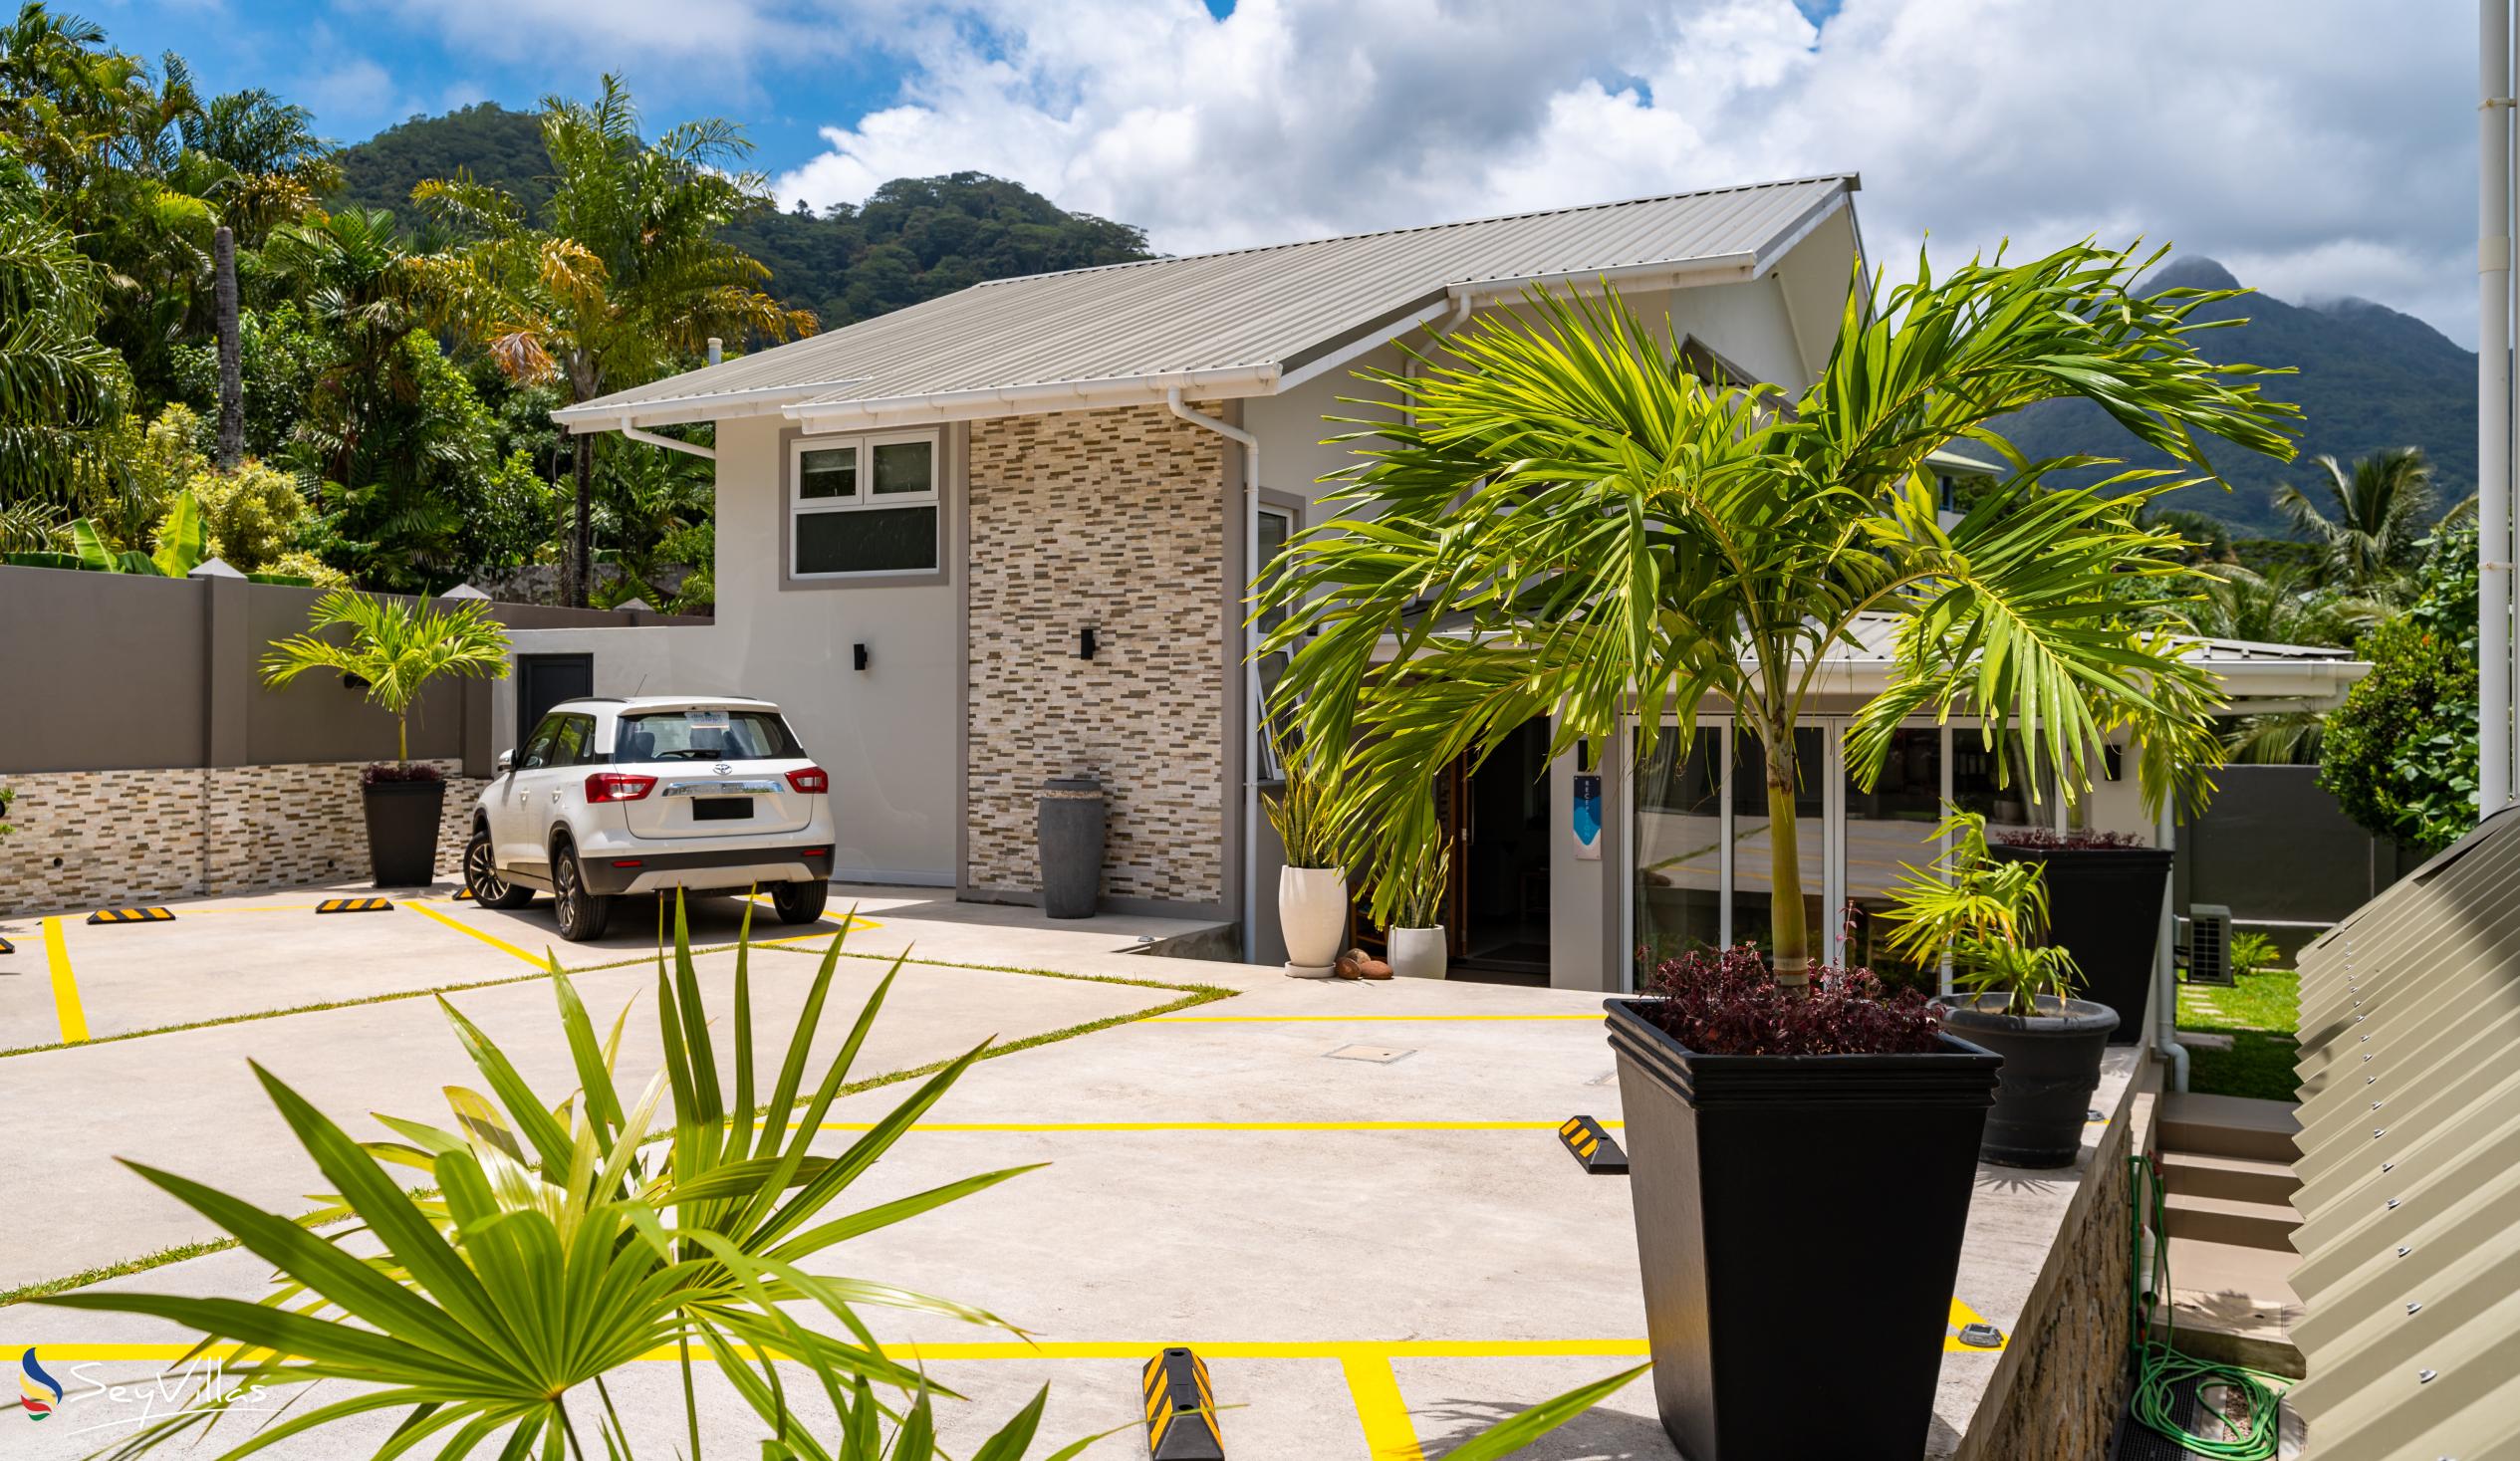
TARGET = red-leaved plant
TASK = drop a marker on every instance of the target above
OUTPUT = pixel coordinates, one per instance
(1725, 1002)
(381, 771)
(2047, 839)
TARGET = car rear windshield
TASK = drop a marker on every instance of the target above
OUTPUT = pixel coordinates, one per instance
(704, 735)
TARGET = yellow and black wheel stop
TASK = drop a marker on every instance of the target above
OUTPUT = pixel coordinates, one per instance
(132, 915)
(1181, 1409)
(354, 905)
(7, 947)
(1592, 1147)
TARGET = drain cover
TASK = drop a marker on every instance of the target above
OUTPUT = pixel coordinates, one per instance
(1379, 1055)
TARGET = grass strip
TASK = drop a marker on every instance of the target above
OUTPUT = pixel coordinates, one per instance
(2261, 1012)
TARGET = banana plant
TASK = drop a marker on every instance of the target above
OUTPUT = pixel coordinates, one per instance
(184, 544)
(557, 1242)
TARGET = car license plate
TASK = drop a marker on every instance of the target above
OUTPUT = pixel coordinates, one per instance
(721, 808)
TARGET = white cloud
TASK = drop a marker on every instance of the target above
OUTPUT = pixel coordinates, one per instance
(2314, 147)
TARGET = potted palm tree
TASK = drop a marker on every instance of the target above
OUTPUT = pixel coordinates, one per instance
(1989, 916)
(1563, 520)
(394, 648)
(1313, 884)
(1415, 938)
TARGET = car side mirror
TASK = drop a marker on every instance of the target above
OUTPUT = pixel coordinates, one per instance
(507, 762)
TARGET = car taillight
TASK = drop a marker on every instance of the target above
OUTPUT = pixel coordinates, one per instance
(619, 785)
(810, 779)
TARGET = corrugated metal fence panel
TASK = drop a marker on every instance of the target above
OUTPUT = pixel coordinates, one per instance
(1249, 307)
(2410, 1279)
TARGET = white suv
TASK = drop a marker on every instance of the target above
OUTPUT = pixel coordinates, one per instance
(609, 797)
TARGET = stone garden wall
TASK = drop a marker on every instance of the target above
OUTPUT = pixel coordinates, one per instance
(90, 838)
(2061, 1384)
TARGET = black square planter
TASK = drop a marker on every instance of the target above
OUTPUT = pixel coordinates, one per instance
(402, 820)
(2105, 908)
(1798, 1228)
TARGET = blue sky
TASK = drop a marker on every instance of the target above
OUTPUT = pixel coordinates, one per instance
(2314, 152)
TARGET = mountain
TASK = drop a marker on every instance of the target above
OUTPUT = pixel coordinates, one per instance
(2370, 377)
(914, 239)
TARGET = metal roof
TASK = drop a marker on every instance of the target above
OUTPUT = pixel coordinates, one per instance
(2410, 1240)
(1250, 315)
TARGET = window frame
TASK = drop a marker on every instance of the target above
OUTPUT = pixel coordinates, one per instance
(797, 506)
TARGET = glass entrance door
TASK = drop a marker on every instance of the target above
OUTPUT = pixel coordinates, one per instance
(1699, 839)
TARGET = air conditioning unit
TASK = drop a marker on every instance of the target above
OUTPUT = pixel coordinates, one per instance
(2209, 944)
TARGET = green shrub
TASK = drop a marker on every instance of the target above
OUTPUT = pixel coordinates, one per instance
(2401, 754)
(2252, 952)
(252, 515)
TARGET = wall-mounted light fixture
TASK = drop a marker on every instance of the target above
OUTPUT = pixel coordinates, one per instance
(1085, 645)
(858, 656)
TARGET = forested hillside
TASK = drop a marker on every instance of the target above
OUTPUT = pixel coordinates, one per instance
(2370, 379)
(915, 239)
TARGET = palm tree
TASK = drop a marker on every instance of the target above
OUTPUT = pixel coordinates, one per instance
(61, 389)
(626, 279)
(394, 647)
(360, 287)
(258, 159)
(1598, 532)
(2373, 520)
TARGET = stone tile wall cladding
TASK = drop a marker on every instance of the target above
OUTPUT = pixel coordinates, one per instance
(1112, 519)
(2065, 1398)
(90, 838)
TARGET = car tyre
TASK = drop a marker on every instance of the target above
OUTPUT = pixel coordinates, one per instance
(800, 903)
(582, 914)
(481, 876)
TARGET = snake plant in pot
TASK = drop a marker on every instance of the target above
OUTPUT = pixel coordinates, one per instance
(1313, 884)
(1415, 938)
(1989, 917)
(1555, 514)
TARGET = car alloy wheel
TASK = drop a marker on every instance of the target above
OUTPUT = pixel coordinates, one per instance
(567, 892)
(482, 873)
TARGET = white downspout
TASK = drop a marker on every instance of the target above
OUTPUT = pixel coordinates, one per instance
(2165, 960)
(1250, 666)
(2493, 408)
(634, 434)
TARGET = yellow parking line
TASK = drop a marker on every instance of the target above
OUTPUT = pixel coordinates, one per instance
(1389, 1435)
(1362, 1019)
(66, 1007)
(1212, 1125)
(986, 1350)
(492, 940)
(1383, 1351)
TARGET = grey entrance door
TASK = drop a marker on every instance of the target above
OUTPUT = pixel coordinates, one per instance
(544, 681)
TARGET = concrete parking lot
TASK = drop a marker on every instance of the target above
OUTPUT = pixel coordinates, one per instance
(1349, 1199)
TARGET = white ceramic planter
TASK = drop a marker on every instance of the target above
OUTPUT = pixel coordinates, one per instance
(1311, 918)
(1419, 953)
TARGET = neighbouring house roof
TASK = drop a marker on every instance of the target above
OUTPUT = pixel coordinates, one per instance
(2255, 678)
(1244, 321)
(2409, 1196)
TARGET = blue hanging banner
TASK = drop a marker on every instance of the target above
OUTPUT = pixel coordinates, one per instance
(1587, 817)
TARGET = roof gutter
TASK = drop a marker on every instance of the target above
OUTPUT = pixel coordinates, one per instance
(1016, 400)
(598, 415)
(1663, 274)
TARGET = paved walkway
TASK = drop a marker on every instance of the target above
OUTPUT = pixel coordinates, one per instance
(1349, 1199)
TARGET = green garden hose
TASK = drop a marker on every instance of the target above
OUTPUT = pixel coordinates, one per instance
(2160, 1369)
